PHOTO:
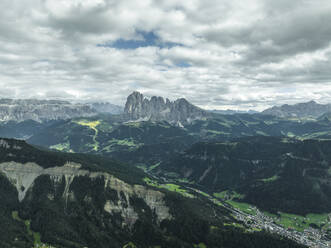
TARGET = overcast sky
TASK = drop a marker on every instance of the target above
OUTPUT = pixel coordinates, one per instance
(218, 54)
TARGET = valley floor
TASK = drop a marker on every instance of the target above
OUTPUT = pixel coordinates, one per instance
(251, 217)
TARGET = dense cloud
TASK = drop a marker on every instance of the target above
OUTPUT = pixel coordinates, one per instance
(217, 54)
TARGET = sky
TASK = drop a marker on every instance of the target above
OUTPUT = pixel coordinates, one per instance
(217, 54)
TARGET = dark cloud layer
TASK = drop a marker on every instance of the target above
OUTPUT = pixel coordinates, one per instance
(217, 54)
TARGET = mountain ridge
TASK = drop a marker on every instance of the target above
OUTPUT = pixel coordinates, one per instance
(309, 109)
(41, 110)
(261, 167)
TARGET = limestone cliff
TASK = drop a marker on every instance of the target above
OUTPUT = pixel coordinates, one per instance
(23, 176)
(157, 109)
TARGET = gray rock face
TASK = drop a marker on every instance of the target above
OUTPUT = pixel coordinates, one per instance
(23, 176)
(41, 110)
(301, 110)
(157, 109)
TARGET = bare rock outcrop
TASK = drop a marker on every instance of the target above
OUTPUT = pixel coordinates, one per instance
(179, 112)
(23, 176)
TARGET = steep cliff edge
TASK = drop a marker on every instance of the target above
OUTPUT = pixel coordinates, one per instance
(24, 174)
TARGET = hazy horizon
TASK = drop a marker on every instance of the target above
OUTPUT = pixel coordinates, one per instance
(77, 101)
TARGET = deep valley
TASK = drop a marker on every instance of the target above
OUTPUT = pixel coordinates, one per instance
(192, 178)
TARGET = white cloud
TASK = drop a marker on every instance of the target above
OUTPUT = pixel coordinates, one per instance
(222, 53)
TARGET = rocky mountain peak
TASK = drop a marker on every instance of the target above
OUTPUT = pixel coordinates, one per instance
(183, 102)
(156, 108)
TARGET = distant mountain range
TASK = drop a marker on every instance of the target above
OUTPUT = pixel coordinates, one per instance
(41, 110)
(46, 110)
(183, 112)
(301, 110)
(178, 112)
(233, 112)
(139, 108)
(309, 109)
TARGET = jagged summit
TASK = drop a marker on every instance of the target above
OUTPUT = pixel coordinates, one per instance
(300, 110)
(180, 111)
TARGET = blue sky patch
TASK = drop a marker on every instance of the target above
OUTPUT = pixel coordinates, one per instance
(183, 64)
(149, 39)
